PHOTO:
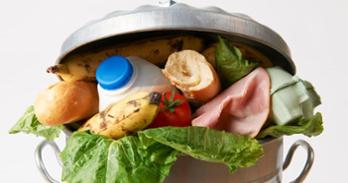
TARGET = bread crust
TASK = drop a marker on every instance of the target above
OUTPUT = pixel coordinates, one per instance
(207, 93)
(66, 102)
(191, 90)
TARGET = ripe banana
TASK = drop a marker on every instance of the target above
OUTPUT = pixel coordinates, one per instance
(253, 54)
(125, 117)
(83, 65)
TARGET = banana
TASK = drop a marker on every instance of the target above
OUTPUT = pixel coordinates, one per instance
(125, 117)
(83, 65)
(254, 54)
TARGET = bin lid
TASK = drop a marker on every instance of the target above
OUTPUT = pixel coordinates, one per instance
(148, 19)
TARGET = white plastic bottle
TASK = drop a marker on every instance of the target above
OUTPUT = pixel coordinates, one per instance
(118, 77)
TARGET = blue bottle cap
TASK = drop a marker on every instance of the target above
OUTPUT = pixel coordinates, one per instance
(114, 72)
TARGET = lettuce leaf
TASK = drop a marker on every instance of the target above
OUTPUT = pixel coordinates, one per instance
(29, 123)
(148, 156)
(209, 145)
(84, 158)
(149, 162)
(91, 158)
(312, 126)
(230, 63)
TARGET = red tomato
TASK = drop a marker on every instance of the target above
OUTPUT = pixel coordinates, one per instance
(174, 111)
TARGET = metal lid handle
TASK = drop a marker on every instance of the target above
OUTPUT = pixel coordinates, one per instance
(166, 3)
(309, 161)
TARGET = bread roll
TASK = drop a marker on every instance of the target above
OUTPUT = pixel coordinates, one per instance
(209, 54)
(190, 72)
(66, 102)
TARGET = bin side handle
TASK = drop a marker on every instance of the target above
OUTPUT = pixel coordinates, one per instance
(309, 161)
(40, 163)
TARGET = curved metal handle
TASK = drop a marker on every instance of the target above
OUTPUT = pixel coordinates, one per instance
(166, 3)
(309, 161)
(40, 163)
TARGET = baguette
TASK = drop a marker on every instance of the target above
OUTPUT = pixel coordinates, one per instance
(190, 72)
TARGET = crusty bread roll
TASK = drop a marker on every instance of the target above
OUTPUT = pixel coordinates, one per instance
(209, 54)
(66, 102)
(190, 72)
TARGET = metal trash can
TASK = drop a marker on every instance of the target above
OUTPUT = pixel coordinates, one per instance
(151, 21)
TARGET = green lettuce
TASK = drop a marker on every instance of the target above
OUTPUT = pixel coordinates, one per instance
(312, 126)
(29, 123)
(147, 157)
(209, 145)
(230, 63)
(91, 158)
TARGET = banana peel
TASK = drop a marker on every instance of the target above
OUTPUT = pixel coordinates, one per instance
(125, 117)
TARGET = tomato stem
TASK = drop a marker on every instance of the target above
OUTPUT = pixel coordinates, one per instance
(171, 104)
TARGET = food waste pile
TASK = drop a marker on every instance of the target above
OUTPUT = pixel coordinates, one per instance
(134, 108)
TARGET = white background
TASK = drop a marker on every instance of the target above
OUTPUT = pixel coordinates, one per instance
(31, 33)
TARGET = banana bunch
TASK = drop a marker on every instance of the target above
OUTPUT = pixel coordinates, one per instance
(83, 65)
(125, 117)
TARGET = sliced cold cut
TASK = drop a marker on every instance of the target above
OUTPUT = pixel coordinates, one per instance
(243, 108)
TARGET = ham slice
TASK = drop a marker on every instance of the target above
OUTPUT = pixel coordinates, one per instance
(242, 108)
